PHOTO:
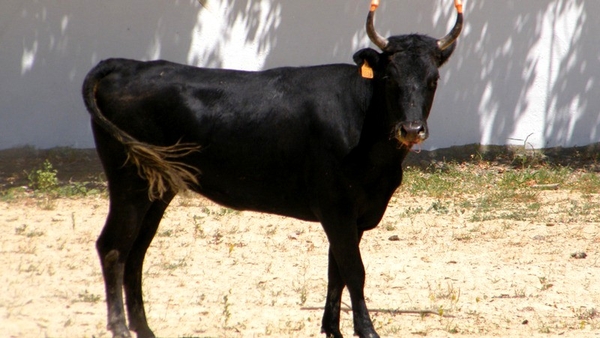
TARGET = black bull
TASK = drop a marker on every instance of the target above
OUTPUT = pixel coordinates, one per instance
(320, 143)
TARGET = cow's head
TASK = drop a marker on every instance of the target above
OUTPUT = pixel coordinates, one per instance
(407, 70)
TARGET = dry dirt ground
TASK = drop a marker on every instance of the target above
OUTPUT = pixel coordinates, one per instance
(214, 272)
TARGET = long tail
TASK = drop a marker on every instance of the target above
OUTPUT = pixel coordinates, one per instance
(157, 164)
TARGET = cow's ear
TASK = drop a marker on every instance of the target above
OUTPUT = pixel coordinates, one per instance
(368, 54)
(445, 54)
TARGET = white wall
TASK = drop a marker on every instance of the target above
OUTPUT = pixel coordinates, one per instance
(523, 70)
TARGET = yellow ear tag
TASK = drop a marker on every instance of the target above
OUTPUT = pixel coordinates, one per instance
(366, 71)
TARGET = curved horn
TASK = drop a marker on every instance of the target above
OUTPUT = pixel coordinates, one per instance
(449, 39)
(377, 39)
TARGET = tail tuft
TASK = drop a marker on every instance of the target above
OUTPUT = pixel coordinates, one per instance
(159, 167)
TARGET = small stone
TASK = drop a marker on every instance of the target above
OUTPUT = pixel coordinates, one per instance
(394, 238)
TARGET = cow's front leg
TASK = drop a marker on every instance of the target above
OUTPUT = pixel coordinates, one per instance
(335, 286)
(344, 248)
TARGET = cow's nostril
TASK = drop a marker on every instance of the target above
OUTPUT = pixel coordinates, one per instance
(412, 132)
(412, 128)
(403, 131)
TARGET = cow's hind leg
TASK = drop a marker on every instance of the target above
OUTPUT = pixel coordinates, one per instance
(114, 245)
(133, 267)
(129, 204)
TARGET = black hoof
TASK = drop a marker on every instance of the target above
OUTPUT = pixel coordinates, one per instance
(332, 334)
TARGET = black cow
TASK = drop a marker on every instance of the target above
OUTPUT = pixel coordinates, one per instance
(320, 143)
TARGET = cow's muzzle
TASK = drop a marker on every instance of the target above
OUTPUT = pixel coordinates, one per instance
(411, 133)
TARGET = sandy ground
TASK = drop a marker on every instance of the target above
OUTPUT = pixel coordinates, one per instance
(213, 272)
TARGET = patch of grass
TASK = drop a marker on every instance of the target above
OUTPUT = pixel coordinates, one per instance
(45, 186)
(79, 189)
(12, 194)
(586, 183)
(486, 190)
(583, 211)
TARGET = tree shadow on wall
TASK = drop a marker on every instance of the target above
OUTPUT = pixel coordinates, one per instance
(225, 32)
(517, 63)
(507, 68)
(58, 44)
(573, 86)
(493, 78)
(283, 33)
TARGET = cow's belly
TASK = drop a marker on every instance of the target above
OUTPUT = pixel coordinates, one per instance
(276, 193)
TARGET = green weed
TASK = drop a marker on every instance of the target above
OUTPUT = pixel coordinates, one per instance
(43, 179)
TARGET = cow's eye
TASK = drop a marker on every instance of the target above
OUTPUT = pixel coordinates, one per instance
(433, 83)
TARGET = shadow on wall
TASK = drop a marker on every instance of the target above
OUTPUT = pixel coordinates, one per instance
(572, 85)
(528, 76)
(523, 72)
(260, 34)
(46, 48)
(237, 34)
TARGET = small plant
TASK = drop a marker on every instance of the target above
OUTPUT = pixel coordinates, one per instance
(302, 290)
(47, 202)
(217, 237)
(389, 226)
(302, 286)
(21, 230)
(545, 283)
(410, 211)
(174, 265)
(448, 295)
(439, 207)
(462, 237)
(585, 314)
(271, 230)
(226, 310)
(87, 297)
(166, 233)
(519, 293)
(43, 179)
(198, 229)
